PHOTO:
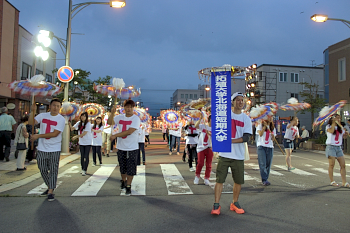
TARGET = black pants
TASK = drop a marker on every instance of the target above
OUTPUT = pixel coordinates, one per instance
(113, 143)
(302, 140)
(31, 153)
(192, 152)
(84, 157)
(165, 136)
(147, 139)
(96, 149)
(141, 150)
(5, 140)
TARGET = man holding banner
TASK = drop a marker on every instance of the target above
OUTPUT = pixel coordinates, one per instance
(241, 130)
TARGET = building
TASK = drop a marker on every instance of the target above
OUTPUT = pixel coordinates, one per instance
(18, 62)
(336, 73)
(278, 83)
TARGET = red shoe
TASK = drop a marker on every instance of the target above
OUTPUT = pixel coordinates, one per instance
(217, 211)
(236, 208)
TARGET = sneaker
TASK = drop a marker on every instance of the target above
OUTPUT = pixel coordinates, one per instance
(107, 155)
(291, 168)
(206, 182)
(264, 183)
(83, 173)
(50, 197)
(192, 169)
(196, 180)
(235, 207)
(170, 153)
(128, 190)
(144, 163)
(44, 194)
(111, 151)
(267, 183)
(178, 153)
(94, 164)
(216, 211)
(123, 184)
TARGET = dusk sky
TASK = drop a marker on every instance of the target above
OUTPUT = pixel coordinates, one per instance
(160, 46)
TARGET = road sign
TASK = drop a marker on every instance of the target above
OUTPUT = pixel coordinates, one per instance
(65, 74)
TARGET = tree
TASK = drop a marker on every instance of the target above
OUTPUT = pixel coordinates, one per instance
(311, 96)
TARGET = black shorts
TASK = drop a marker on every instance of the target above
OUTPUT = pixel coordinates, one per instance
(127, 162)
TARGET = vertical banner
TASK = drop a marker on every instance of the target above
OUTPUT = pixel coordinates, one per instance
(221, 111)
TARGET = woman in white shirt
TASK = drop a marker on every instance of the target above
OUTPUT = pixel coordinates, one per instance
(266, 131)
(292, 131)
(335, 133)
(97, 130)
(85, 139)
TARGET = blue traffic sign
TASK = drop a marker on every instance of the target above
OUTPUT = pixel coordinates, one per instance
(65, 74)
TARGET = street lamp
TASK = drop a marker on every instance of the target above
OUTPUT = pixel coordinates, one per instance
(72, 12)
(207, 88)
(323, 18)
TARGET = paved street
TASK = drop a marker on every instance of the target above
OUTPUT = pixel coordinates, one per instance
(164, 198)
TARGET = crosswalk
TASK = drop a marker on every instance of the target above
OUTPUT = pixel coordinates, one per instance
(175, 182)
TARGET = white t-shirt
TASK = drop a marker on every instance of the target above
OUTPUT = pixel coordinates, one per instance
(86, 140)
(334, 139)
(203, 141)
(191, 130)
(48, 124)
(142, 131)
(105, 129)
(265, 140)
(97, 137)
(291, 132)
(241, 124)
(177, 133)
(129, 142)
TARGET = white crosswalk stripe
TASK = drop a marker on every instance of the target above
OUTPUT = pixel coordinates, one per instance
(256, 167)
(174, 181)
(295, 171)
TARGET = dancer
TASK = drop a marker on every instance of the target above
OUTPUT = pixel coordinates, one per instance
(241, 132)
(335, 133)
(266, 132)
(164, 131)
(147, 131)
(204, 151)
(292, 132)
(127, 143)
(175, 139)
(191, 134)
(142, 131)
(49, 147)
(85, 139)
(106, 142)
(97, 130)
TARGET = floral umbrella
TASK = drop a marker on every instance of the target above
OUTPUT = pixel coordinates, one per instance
(327, 112)
(293, 104)
(170, 116)
(70, 110)
(93, 110)
(200, 103)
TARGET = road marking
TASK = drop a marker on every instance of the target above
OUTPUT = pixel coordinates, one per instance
(138, 186)
(295, 171)
(256, 167)
(174, 181)
(93, 185)
(324, 171)
(42, 188)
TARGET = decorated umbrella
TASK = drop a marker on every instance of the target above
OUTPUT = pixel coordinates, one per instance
(293, 104)
(327, 112)
(128, 93)
(70, 110)
(170, 116)
(93, 110)
(200, 103)
(36, 86)
(118, 83)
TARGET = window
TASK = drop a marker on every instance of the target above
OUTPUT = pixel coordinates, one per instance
(48, 78)
(38, 72)
(294, 77)
(195, 96)
(295, 95)
(283, 77)
(26, 70)
(260, 75)
(320, 96)
(341, 69)
(186, 96)
(182, 95)
(191, 96)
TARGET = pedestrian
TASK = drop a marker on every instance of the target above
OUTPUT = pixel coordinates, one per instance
(142, 131)
(266, 132)
(164, 131)
(304, 136)
(292, 132)
(175, 139)
(22, 137)
(335, 134)
(96, 144)
(241, 132)
(49, 146)
(85, 140)
(204, 151)
(7, 123)
(191, 134)
(147, 132)
(106, 141)
(127, 143)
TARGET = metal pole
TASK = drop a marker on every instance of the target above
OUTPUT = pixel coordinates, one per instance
(66, 131)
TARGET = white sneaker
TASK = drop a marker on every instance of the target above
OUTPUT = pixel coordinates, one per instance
(196, 180)
(170, 153)
(94, 164)
(83, 173)
(206, 182)
(178, 153)
(111, 151)
(192, 169)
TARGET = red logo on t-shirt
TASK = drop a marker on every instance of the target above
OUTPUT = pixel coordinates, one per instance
(192, 129)
(336, 137)
(294, 132)
(48, 125)
(205, 140)
(267, 136)
(124, 124)
(235, 124)
(95, 134)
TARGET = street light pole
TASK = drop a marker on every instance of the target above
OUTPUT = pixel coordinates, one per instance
(323, 18)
